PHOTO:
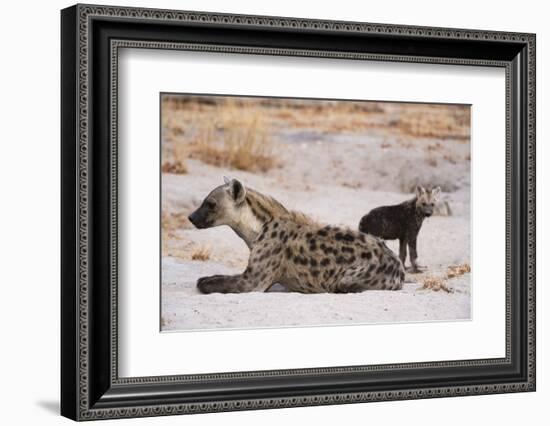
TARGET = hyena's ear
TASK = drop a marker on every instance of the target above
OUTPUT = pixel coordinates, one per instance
(237, 191)
(226, 180)
(436, 191)
(419, 191)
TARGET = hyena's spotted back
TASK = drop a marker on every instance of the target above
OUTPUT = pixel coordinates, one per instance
(314, 259)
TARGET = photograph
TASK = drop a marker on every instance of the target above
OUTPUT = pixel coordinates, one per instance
(296, 212)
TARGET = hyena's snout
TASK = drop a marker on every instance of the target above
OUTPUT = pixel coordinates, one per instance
(193, 218)
(199, 219)
(428, 211)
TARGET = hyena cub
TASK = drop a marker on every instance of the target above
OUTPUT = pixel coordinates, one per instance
(287, 247)
(402, 221)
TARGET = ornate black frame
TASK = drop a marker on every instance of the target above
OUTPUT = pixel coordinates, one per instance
(91, 37)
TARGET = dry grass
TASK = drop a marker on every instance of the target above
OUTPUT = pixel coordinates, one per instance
(435, 121)
(458, 270)
(178, 113)
(175, 245)
(236, 137)
(173, 221)
(435, 284)
(417, 120)
(178, 163)
(222, 133)
(201, 253)
(169, 224)
(239, 133)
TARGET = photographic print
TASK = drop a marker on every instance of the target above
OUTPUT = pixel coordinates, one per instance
(285, 212)
(272, 183)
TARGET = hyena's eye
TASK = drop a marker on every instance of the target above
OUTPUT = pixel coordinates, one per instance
(211, 204)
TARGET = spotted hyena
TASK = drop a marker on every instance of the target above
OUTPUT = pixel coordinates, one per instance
(402, 221)
(287, 247)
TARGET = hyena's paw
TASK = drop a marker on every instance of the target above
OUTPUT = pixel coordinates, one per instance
(212, 284)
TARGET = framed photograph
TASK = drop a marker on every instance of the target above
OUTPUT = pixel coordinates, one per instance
(263, 212)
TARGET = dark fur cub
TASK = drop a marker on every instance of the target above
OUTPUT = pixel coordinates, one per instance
(401, 222)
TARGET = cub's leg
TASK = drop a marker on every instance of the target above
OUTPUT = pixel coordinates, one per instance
(402, 250)
(415, 267)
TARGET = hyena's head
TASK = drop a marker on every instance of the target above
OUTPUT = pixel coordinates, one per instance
(426, 199)
(225, 205)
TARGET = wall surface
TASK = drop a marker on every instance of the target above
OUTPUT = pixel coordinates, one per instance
(29, 225)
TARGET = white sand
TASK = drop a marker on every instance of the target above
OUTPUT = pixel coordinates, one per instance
(319, 178)
(183, 308)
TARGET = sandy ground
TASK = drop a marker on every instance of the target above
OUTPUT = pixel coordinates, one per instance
(336, 179)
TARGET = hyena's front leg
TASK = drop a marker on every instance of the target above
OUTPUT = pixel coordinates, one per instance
(261, 273)
(222, 284)
(242, 283)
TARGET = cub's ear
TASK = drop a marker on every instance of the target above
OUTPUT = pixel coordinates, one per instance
(237, 191)
(226, 180)
(436, 191)
(419, 191)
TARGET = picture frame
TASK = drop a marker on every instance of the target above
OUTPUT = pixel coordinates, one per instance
(91, 37)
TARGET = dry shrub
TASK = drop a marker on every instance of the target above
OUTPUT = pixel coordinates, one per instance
(201, 253)
(435, 147)
(245, 142)
(435, 284)
(177, 164)
(438, 121)
(406, 144)
(450, 159)
(352, 185)
(458, 270)
(431, 161)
